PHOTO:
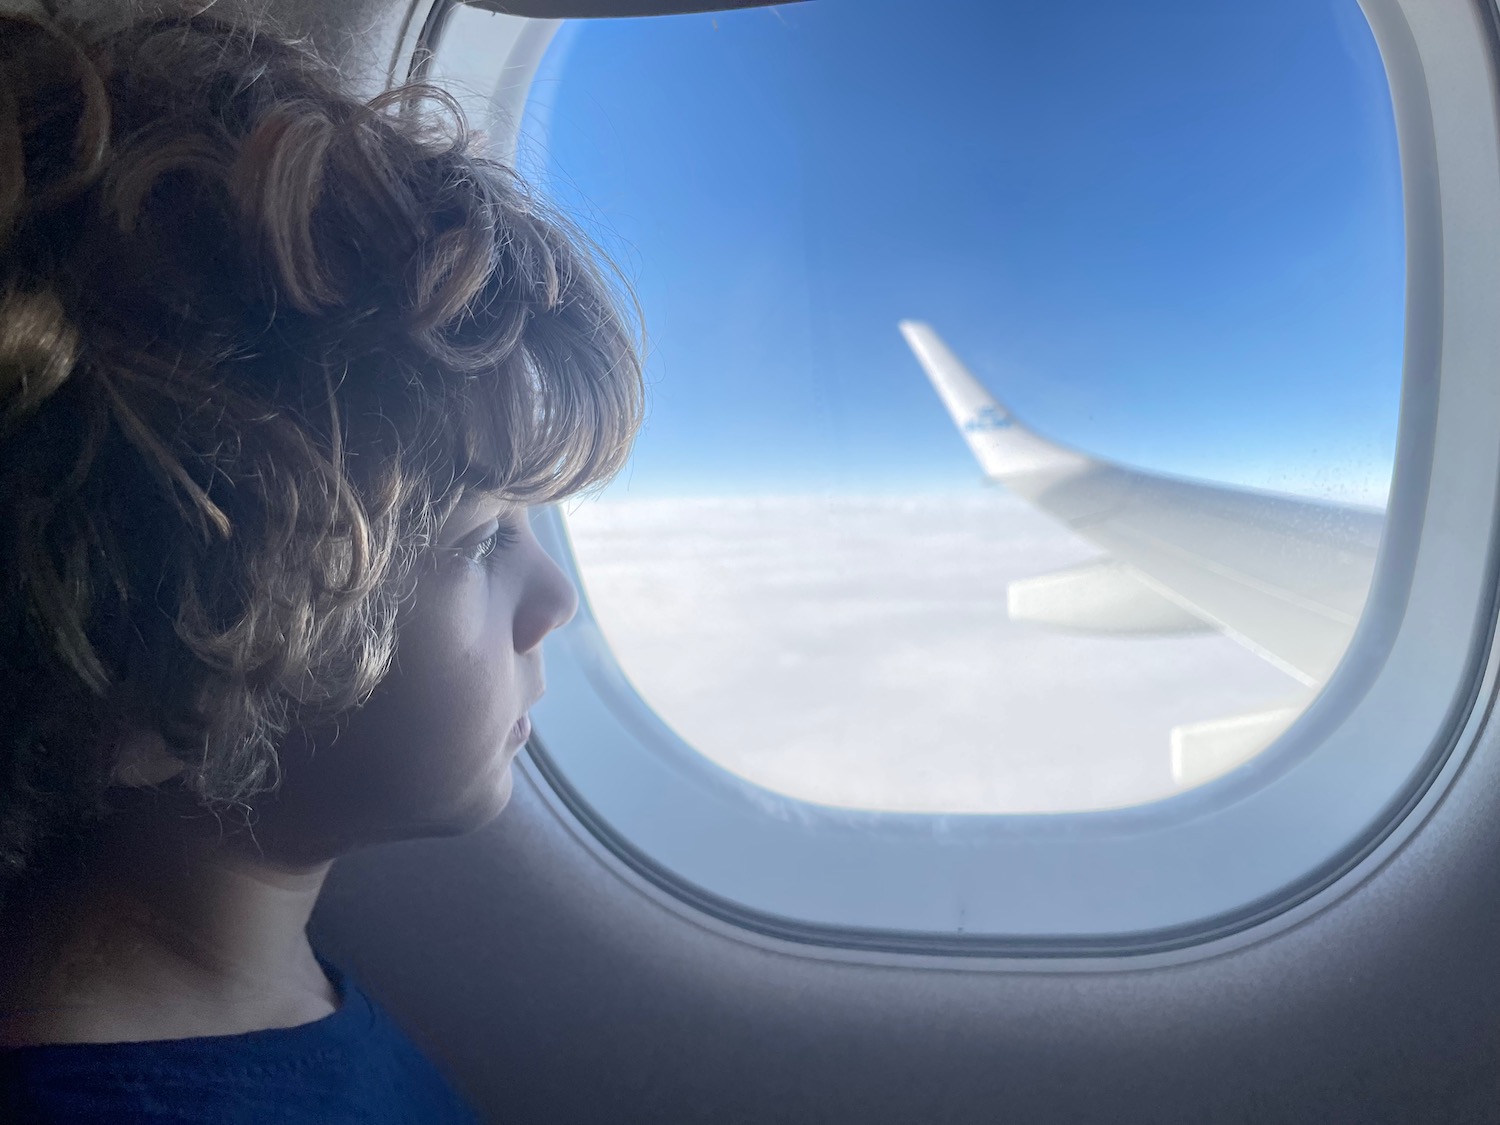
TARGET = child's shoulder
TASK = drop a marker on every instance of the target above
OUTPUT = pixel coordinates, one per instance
(354, 1065)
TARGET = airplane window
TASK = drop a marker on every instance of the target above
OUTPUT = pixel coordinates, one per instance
(1025, 383)
(1048, 411)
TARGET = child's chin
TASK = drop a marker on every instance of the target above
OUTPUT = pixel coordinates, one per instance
(480, 806)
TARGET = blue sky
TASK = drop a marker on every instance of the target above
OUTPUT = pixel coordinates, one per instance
(1168, 233)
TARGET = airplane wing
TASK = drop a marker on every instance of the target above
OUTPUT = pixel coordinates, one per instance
(1286, 577)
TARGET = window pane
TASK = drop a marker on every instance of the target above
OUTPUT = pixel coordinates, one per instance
(1167, 237)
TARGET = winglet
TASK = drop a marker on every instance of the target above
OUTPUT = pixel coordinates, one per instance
(1003, 447)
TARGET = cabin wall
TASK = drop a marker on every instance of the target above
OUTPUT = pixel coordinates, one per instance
(359, 36)
(555, 989)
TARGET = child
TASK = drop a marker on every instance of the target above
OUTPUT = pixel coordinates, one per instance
(280, 373)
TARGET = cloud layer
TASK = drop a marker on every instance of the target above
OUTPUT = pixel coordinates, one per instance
(856, 651)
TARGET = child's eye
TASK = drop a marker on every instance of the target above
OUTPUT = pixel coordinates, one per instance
(503, 535)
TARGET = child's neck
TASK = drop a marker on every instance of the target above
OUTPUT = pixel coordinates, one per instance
(172, 928)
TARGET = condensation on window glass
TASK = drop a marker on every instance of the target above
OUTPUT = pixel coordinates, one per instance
(1024, 382)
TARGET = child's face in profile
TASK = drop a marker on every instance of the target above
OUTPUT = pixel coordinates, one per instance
(430, 753)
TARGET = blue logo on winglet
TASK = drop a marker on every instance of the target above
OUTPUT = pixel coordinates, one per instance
(988, 420)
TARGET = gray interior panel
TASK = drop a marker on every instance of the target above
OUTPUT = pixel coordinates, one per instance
(556, 990)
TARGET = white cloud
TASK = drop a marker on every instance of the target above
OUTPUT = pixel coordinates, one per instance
(856, 651)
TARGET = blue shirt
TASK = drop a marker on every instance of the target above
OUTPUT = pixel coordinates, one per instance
(354, 1067)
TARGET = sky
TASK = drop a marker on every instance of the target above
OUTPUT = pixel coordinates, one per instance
(1167, 233)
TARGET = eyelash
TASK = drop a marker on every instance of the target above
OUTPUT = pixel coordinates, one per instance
(503, 536)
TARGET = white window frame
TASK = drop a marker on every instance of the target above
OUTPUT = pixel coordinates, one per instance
(1224, 863)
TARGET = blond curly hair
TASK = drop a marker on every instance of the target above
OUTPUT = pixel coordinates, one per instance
(256, 338)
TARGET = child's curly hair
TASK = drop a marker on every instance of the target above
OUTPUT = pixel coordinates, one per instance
(256, 337)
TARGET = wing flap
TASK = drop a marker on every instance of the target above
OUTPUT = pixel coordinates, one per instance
(1103, 596)
(1204, 751)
